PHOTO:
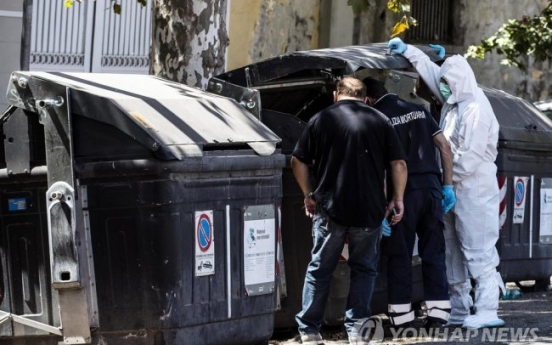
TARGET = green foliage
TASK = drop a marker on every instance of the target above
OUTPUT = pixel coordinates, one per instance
(519, 38)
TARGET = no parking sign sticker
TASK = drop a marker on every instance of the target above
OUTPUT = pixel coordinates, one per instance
(204, 243)
(520, 193)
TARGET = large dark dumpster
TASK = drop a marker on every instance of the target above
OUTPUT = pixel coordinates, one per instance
(525, 178)
(285, 91)
(135, 211)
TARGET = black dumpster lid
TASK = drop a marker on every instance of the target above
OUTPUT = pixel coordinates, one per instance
(347, 59)
(178, 119)
(520, 121)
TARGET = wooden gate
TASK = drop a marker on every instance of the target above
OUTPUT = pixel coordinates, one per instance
(89, 37)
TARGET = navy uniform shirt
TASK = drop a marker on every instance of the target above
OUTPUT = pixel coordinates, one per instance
(415, 127)
(351, 145)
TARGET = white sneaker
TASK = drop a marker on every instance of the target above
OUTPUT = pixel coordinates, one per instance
(483, 319)
(311, 339)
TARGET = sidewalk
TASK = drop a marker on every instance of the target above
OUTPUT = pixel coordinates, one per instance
(528, 321)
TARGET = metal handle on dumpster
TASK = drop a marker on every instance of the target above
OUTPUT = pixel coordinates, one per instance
(61, 229)
(48, 103)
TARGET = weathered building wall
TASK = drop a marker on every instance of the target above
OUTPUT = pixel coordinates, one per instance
(376, 23)
(262, 28)
(242, 16)
(341, 25)
(259, 29)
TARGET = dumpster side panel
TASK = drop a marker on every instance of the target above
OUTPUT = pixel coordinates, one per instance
(118, 266)
(143, 235)
(25, 262)
(523, 256)
(297, 246)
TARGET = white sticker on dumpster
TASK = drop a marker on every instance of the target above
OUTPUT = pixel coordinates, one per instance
(546, 211)
(259, 249)
(520, 193)
(204, 243)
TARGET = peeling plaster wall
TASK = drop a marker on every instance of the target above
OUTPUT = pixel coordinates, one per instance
(241, 25)
(342, 24)
(285, 26)
(259, 29)
(481, 19)
(376, 23)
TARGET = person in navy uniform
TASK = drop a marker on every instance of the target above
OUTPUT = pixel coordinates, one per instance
(424, 205)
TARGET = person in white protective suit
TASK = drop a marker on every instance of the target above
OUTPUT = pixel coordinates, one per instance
(472, 228)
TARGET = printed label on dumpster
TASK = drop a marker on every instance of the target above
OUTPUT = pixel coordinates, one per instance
(546, 211)
(204, 244)
(259, 249)
(520, 193)
(19, 204)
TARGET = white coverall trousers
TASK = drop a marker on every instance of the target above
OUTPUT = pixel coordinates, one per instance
(471, 233)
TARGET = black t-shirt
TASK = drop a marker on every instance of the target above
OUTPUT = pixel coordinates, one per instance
(350, 144)
(416, 128)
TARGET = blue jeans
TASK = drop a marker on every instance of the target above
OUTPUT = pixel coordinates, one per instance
(329, 239)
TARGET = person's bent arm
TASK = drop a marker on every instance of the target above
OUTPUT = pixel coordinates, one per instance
(302, 175)
(427, 69)
(445, 151)
(399, 174)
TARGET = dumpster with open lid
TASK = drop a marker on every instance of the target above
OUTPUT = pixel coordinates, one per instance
(145, 210)
(285, 91)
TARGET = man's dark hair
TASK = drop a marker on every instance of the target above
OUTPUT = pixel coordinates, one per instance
(374, 88)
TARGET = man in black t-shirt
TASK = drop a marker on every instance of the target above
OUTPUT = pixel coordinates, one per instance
(423, 200)
(351, 145)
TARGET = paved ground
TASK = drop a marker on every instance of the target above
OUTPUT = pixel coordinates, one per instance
(528, 321)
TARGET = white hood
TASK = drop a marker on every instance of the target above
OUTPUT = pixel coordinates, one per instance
(459, 75)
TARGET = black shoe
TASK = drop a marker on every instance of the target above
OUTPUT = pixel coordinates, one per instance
(434, 324)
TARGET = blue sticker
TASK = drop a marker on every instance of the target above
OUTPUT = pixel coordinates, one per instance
(19, 204)
(519, 192)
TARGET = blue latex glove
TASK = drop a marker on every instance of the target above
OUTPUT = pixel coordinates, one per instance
(396, 45)
(385, 228)
(449, 198)
(440, 50)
